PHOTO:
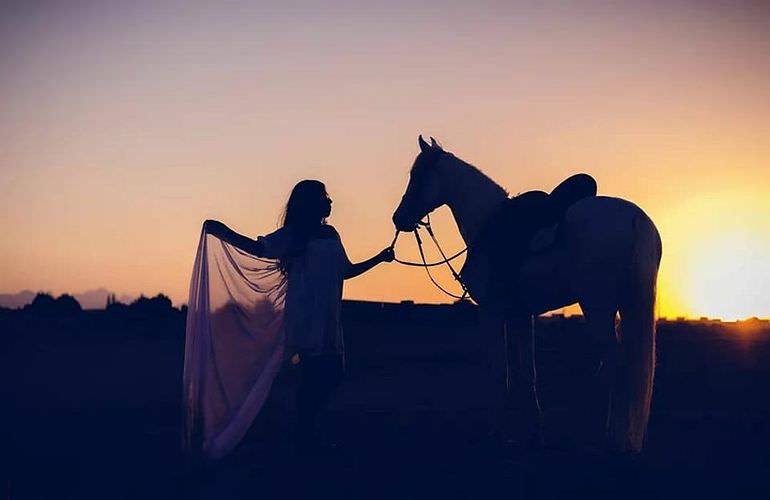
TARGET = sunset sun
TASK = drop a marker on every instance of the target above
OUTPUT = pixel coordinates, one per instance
(716, 256)
(728, 276)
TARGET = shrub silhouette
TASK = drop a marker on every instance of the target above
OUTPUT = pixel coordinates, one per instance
(44, 305)
(67, 304)
(157, 306)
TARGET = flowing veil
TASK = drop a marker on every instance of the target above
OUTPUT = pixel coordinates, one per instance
(234, 344)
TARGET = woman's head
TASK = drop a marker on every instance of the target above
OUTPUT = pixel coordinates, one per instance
(307, 208)
(309, 205)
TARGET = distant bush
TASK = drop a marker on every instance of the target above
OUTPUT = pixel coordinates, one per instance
(116, 307)
(45, 305)
(67, 304)
(155, 306)
(41, 303)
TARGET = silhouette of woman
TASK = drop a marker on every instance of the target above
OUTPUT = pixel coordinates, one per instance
(311, 256)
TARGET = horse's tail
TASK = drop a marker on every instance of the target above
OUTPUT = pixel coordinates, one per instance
(632, 394)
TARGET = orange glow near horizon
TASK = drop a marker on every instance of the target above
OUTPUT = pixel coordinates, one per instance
(729, 278)
(718, 261)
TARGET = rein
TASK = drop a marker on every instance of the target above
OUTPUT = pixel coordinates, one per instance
(427, 266)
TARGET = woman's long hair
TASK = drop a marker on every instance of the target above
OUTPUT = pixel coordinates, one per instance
(303, 214)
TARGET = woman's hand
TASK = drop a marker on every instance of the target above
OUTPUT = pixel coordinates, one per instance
(213, 227)
(386, 255)
(354, 270)
(224, 233)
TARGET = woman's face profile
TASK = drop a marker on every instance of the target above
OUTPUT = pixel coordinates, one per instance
(326, 205)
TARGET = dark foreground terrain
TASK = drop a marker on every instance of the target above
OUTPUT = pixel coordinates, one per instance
(91, 410)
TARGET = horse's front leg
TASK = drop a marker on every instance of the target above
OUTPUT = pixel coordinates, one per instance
(522, 376)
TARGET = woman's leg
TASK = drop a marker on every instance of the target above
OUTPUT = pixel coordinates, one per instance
(320, 375)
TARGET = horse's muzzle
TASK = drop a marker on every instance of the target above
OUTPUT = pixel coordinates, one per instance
(402, 224)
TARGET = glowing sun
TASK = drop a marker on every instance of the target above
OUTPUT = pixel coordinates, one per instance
(728, 276)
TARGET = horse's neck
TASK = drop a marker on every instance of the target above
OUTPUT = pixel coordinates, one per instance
(472, 197)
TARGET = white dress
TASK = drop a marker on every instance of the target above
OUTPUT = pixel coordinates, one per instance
(244, 318)
(314, 292)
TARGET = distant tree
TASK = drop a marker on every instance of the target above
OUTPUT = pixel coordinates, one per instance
(115, 306)
(67, 304)
(43, 300)
(163, 301)
(42, 304)
(158, 305)
(45, 305)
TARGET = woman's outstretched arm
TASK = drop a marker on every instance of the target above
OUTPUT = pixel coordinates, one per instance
(354, 270)
(218, 229)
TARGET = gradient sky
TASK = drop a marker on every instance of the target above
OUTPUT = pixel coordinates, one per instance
(123, 125)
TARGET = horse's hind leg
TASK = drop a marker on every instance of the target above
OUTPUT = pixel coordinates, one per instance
(522, 380)
(600, 323)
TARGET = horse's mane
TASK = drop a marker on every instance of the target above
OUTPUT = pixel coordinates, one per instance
(426, 159)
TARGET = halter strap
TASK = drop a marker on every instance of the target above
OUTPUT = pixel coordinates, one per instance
(427, 266)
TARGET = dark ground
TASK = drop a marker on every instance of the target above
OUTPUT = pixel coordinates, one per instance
(93, 412)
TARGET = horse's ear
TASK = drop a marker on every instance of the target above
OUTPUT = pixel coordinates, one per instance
(424, 147)
(435, 144)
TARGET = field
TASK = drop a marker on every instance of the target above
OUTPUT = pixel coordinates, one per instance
(92, 410)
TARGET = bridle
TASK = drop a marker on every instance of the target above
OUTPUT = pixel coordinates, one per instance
(427, 265)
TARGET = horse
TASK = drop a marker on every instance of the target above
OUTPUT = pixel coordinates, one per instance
(606, 259)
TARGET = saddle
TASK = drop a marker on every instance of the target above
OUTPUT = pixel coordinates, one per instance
(517, 226)
(527, 224)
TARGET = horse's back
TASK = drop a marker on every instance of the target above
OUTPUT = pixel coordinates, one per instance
(601, 233)
(601, 209)
(603, 214)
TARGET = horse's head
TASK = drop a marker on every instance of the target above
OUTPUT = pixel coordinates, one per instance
(424, 192)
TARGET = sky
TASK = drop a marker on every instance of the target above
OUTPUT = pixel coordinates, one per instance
(124, 125)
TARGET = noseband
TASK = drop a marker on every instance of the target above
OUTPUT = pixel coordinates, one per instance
(427, 265)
